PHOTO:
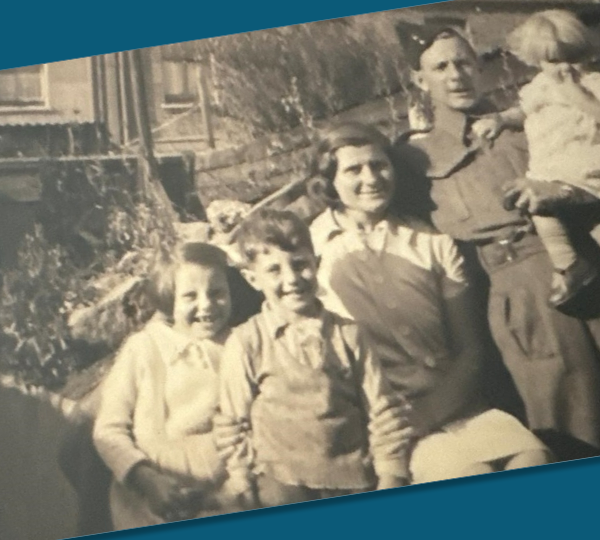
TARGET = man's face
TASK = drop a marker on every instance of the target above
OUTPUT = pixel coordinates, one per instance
(450, 74)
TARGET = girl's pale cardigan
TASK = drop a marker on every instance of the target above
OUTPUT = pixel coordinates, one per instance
(158, 405)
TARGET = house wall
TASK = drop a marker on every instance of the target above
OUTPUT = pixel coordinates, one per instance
(70, 90)
(70, 97)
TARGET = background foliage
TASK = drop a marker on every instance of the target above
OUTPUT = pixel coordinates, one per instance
(280, 78)
(93, 233)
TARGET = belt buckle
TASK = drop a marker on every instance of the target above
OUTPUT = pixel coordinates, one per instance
(509, 247)
(508, 243)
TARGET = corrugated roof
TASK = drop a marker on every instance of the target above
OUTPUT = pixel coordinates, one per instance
(38, 119)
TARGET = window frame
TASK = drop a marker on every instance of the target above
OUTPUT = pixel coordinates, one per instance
(42, 105)
(183, 105)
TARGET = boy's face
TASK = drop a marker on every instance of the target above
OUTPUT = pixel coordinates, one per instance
(202, 301)
(287, 279)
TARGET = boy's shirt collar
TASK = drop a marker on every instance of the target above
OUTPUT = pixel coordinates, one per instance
(277, 324)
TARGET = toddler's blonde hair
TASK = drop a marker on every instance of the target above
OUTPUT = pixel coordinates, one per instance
(552, 36)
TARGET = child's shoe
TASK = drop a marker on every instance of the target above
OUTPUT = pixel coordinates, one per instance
(567, 285)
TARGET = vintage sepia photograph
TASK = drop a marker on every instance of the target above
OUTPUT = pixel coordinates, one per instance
(298, 263)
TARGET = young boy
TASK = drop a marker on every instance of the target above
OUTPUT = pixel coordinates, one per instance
(322, 420)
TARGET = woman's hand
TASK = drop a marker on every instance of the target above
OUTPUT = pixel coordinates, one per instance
(541, 197)
(228, 434)
(394, 427)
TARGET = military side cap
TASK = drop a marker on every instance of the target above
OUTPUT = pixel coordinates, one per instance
(415, 39)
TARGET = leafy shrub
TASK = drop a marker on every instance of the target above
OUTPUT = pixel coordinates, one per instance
(94, 233)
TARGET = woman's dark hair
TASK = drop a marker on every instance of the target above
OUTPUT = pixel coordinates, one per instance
(324, 166)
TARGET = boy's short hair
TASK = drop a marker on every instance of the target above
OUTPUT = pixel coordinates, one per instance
(279, 228)
(161, 281)
(325, 158)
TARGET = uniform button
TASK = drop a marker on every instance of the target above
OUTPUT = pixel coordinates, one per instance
(378, 278)
(405, 331)
(390, 304)
(362, 256)
(430, 362)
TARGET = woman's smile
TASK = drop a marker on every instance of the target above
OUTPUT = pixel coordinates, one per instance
(364, 179)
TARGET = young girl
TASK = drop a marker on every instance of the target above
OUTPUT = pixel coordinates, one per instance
(154, 426)
(560, 111)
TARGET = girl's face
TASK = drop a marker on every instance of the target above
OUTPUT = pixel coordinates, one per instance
(364, 179)
(450, 74)
(202, 304)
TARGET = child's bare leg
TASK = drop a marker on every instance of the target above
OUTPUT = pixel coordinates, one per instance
(531, 458)
(572, 272)
(555, 238)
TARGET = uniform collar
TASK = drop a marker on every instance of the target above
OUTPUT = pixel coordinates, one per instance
(446, 143)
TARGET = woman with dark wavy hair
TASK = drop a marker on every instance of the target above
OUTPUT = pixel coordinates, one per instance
(405, 284)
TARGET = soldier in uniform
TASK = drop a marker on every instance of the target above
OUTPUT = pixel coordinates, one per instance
(474, 190)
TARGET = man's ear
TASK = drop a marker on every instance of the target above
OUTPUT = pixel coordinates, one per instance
(417, 79)
(250, 277)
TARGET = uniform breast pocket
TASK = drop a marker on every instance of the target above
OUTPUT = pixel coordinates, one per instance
(520, 323)
(451, 205)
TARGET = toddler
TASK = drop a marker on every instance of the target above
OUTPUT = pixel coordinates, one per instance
(560, 111)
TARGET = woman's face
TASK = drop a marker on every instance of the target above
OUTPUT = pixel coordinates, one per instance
(364, 179)
(450, 74)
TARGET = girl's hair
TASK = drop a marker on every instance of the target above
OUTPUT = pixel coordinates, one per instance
(279, 228)
(552, 36)
(161, 282)
(325, 163)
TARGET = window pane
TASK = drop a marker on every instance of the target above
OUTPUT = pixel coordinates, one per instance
(179, 81)
(21, 86)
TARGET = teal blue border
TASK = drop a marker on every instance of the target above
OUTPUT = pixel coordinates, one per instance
(557, 501)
